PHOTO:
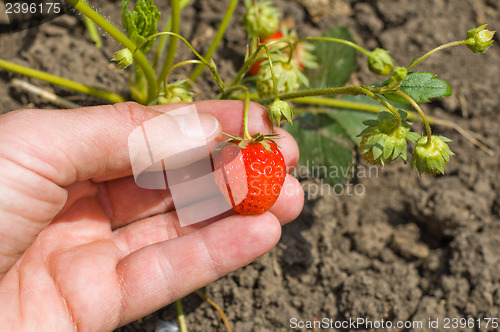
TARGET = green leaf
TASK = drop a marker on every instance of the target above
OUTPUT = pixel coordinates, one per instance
(421, 86)
(326, 150)
(141, 22)
(336, 61)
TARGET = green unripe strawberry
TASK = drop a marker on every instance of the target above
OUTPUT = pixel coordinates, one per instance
(178, 93)
(261, 20)
(123, 58)
(380, 62)
(288, 77)
(278, 110)
(383, 141)
(431, 158)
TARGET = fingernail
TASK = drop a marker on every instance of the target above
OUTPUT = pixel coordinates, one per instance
(198, 125)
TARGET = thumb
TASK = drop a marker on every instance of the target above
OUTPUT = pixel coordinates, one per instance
(44, 151)
(172, 140)
(93, 142)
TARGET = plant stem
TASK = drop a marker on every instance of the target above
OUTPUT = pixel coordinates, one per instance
(344, 90)
(172, 45)
(179, 64)
(336, 40)
(339, 103)
(209, 63)
(351, 90)
(420, 112)
(273, 76)
(439, 48)
(245, 67)
(163, 38)
(246, 133)
(218, 36)
(93, 33)
(76, 86)
(180, 316)
(124, 41)
(390, 108)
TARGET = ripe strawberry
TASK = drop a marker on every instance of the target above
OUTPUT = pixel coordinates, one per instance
(250, 177)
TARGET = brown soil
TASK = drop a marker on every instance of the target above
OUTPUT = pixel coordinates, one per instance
(408, 248)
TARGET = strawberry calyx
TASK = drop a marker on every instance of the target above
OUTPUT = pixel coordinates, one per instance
(264, 139)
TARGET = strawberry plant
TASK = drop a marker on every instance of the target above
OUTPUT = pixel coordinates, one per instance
(252, 185)
(281, 68)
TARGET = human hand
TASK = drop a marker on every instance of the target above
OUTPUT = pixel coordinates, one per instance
(83, 247)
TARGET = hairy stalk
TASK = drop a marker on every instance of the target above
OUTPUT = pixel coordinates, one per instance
(93, 32)
(275, 80)
(246, 133)
(439, 48)
(218, 36)
(141, 60)
(172, 45)
(177, 65)
(336, 40)
(339, 103)
(76, 86)
(349, 90)
(209, 63)
(344, 90)
(163, 38)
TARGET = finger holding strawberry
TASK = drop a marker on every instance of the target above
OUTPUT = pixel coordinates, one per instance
(250, 171)
(288, 202)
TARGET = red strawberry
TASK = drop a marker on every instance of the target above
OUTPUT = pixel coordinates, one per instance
(250, 178)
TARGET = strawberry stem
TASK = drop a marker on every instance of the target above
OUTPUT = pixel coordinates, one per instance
(163, 38)
(275, 80)
(172, 43)
(348, 90)
(215, 42)
(246, 133)
(209, 63)
(439, 48)
(335, 40)
(179, 64)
